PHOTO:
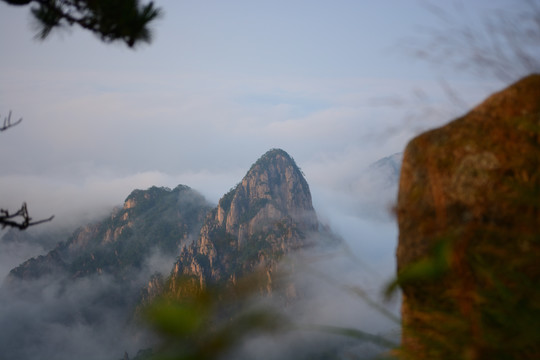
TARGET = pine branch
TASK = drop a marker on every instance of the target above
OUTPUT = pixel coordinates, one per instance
(124, 20)
(19, 219)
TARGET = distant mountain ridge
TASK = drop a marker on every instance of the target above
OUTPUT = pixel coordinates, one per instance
(157, 218)
(266, 217)
(268, 214)
(375, 188)
(387, 170)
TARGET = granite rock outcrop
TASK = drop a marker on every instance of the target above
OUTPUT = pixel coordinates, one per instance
(469, 242)
(267, 215)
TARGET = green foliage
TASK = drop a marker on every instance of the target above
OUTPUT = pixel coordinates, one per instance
(253, 209)
(226, 200)
(428, 269)
(246, 258)
(476, 295)
(202, 260)
(159, 218)
(492, 309)
(267, 158)
(209, 323)
(212, 322)
(178, 319)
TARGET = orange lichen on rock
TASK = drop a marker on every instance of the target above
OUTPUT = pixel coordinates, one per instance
(469, 232)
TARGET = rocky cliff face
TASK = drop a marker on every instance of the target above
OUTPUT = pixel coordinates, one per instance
(267, 215)
(157, 218)
(469, 242)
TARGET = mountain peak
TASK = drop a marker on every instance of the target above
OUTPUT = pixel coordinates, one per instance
(152, 195)
(274, 183)
(277, 162)
(268, 214)
(274, 155)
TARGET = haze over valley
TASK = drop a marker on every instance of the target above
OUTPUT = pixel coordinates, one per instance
(189, 148)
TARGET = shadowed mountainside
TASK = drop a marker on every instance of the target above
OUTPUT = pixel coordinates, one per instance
(154, 219)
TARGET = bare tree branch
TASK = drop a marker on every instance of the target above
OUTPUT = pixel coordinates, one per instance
(19, 219)
(8, 123)
(501, 44)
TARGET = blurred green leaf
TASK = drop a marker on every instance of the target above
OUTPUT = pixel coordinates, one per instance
(176, 319)
(427, 269)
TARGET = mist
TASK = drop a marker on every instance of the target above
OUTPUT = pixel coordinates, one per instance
(220, 85)
(93, 317)
(339, 285)
(338, 289)
(90, 317)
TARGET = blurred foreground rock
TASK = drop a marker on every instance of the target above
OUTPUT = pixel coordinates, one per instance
(469, 233)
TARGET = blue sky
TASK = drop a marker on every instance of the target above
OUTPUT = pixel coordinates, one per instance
(330, 82)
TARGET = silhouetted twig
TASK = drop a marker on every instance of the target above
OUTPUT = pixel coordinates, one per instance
(19, 219)
(8, 123)
(500, 44)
